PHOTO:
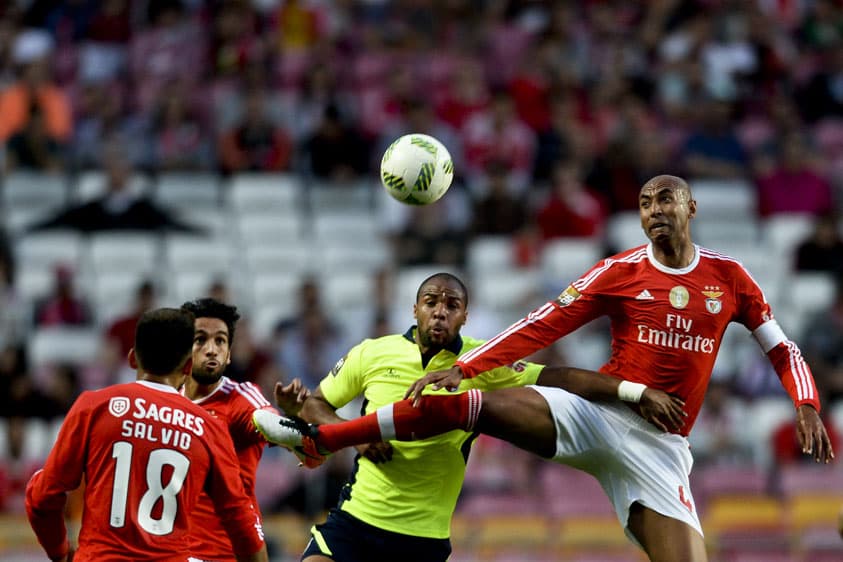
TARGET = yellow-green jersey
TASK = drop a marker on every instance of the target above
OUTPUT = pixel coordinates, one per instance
(416, 492)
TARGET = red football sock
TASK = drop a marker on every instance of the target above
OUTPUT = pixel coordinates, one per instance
(402, 421)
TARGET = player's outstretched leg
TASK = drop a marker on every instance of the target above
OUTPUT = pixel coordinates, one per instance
(399, 421)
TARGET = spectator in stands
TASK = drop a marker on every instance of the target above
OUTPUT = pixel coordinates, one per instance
(712, 149)
(172, 46)
(821, 97)
(102, 121)
(498, 211)
(823, 250)
(822, 346)
(120, 208)
(120, 334)
(720, 431)
(255, 143)
(497, 134)
(336, 151)
(307, 344)
(13, 313)
(251, 361)
(428, 237)
(63, 306)
(571, 209)
(795, 173)
(179, 141)
(37, 122)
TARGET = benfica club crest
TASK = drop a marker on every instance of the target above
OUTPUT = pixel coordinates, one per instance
(118, 406)
(713, 304)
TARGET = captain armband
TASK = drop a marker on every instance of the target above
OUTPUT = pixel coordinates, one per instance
(769, 335)
(631, 391)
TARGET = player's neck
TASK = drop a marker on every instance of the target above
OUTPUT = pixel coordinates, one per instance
(174, 379)
(676, 255)
(195, 390)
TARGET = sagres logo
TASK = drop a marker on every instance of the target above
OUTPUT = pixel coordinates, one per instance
(118, 406)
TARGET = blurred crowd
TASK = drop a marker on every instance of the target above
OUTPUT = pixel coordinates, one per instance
(555, 114)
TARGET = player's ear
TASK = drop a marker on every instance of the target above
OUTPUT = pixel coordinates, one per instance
(692, 208)
(188, 366)
(415, 311)
(133, 361)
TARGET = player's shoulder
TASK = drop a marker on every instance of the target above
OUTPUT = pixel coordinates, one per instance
(244, 392)
(386, 343)
(469, 343)
(719, 260)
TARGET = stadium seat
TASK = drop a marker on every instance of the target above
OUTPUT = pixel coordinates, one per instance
(358, 196)
(784, 232)
(742, 522)
(184, 285)
(353, 256)
(113, 294)
(278, 259)
(714, 231)
(28, 191)
(348, 227)
(711, 482)
(197, 253)
(268, 229)
(809, 478)
(265, 192)
(180, 190)
(112, 251)
(490, 255)
(93, 184)
(767, 414)
(572, 493)
(509, 292)
(623, 230)
(723, 199)
(50, 247)
(564, 260)
(52, 345)
(344, 288)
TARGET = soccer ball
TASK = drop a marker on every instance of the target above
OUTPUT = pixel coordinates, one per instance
(417, 169)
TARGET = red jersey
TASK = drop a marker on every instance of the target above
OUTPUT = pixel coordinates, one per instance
(232, 404)
(146, 454)
(667, 324)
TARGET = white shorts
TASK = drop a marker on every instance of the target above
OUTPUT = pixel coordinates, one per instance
(632, 459)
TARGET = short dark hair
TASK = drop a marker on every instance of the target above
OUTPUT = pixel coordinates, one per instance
(448, 277)
(163, 340)
(211, 308)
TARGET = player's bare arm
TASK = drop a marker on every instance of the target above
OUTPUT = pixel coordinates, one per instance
(449, 379)
(812, 434)
(659, 408)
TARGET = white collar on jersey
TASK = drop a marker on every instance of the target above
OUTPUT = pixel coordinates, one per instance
(158, 386)
(673, 271)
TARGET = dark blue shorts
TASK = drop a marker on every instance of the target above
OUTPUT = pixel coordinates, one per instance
(344, 538)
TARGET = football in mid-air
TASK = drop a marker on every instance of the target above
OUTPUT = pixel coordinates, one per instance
(417, 169)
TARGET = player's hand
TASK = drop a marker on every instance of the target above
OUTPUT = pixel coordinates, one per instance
(376, 452)
(812, 434)
(662, 410)
(290, 398)
(449, 379)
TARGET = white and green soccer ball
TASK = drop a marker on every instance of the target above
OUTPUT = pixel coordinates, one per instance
(417, 169)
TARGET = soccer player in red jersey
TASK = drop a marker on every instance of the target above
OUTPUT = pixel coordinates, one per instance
(146, 453)
(669, 303)
(231, 403)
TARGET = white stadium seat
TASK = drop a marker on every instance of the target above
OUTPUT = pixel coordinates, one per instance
(63, 344)
(265, 192)
(490, 254)
(49, 247)
(724, 199)
(119, 251)
(784, 232)
(565, 259)
(623, 230)
(175, 190)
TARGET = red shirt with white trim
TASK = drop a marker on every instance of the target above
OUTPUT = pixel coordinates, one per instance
(667, 324)
(231, 403)
(146, 453)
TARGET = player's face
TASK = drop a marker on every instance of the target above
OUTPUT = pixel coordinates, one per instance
(211, 354)
(665, 208)
(440, 313)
